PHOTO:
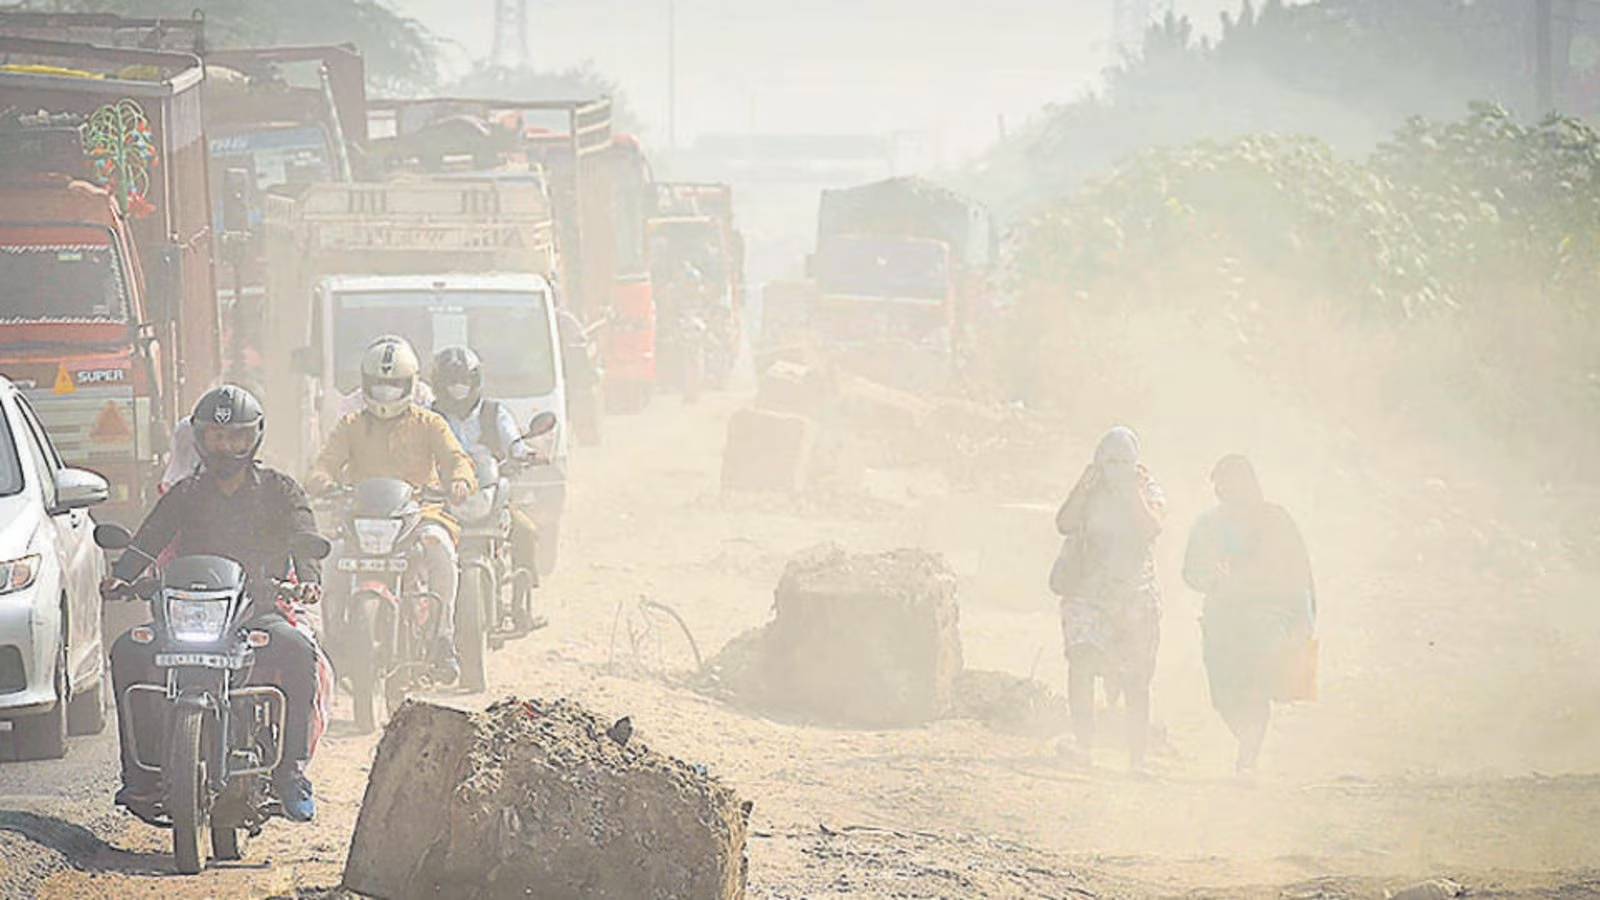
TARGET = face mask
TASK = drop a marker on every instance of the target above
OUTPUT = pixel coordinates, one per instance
(386, 393)
(459, 391)
(226, 466)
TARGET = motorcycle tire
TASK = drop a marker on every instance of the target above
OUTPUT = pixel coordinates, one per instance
(472, 626)
(185, 774)
(227, 843)
(361, 664)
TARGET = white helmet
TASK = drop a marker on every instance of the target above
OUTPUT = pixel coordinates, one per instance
(389, 376)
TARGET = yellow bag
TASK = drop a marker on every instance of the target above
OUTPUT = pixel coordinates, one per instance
(1298, 682)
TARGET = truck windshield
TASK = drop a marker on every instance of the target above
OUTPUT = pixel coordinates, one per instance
(509, 330)
(56, 282)
(887, 268)
(276, 156)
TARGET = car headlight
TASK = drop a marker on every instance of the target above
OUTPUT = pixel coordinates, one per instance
(18, 574)
(376, 537)
(197, 619)
(476, 506)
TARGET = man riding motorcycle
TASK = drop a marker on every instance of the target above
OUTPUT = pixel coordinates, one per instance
(236, 508)
(487, 425)
(394, 438)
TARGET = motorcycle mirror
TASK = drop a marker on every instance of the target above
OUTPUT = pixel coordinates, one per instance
(310, 545)
(542, 424)
(110, 536)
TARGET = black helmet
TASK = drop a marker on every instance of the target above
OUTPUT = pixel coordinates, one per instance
(235, 410)
(457, 380)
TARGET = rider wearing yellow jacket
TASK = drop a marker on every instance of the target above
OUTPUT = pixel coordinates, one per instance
(394, 438)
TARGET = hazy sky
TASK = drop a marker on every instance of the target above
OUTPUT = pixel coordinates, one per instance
(946, 68)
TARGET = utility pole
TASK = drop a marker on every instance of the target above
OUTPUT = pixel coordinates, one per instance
(672, 74)
(1543, 62)
(510, 33)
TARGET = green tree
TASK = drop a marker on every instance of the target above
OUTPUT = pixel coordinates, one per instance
(401, 55)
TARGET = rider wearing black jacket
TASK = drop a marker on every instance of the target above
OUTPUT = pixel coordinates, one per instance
(236, 508)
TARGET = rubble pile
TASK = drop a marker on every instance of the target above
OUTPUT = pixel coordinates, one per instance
(539, 801)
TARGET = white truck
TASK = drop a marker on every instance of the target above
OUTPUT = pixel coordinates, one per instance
(455, 262)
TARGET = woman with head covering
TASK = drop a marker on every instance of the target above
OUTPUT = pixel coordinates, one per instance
(1105, 576)
(1248, 558)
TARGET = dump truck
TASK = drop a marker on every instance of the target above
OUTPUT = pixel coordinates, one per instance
(900, 261)
(109, 316)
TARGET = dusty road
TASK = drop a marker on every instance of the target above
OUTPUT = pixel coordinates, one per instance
(1416, 764)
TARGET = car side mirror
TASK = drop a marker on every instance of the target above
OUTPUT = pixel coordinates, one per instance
(542, 424)
(310, 545)
(111, 536)
(80, 489)
(307, 361)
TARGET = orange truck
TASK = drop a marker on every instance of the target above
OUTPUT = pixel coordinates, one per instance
(108, 312)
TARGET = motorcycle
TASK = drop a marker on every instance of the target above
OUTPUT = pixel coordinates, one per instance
(224, 738)
(495, 601)
(378, 612)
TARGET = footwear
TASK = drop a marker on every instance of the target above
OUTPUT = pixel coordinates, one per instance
(446, 669)
(293, 790)
(140, 794)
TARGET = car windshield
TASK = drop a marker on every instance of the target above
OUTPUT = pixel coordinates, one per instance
(75, 279)
(10, 462)
(509, 330)
(883, 267)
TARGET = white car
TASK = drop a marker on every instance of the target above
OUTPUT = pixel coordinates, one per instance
(52, 660)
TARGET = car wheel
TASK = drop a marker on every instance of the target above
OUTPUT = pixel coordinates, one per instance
(44, 736)
(86, 714)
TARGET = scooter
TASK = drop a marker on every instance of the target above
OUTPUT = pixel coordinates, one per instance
(225, 737)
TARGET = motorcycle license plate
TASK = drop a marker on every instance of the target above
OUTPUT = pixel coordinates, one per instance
(201, 660)
(372, 565)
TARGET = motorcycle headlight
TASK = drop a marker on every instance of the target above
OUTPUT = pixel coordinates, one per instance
(197, 618)
(17, 574)
(476, 506)
(377, 537)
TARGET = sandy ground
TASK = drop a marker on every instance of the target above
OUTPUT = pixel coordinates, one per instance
(1456, 735)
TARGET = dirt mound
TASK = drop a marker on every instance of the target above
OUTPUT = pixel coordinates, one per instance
(535, 799)
(1011, 704)
(859, 640)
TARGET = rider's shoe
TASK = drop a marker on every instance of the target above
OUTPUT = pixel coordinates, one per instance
(446, 668)
(293, 790)
(140, 794)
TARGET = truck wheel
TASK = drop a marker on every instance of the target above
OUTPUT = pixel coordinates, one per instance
(185, 775)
